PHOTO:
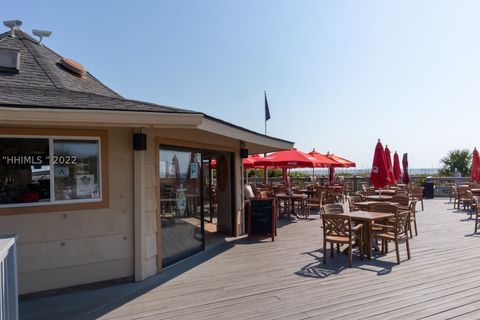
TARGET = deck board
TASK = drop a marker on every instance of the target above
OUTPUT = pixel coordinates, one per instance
(286, 279)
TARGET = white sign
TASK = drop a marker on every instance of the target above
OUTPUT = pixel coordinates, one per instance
(61, 172)
(193, 170)
(85, 185)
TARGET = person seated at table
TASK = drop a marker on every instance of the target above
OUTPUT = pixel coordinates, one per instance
(248, 191)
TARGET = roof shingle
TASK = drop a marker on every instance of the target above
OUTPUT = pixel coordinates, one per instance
(44, 82)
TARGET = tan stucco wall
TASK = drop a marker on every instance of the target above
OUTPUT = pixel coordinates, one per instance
(67, 248)
(62, 249)
(186, 138)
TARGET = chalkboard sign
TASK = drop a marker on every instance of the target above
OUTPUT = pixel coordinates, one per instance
(262, 218)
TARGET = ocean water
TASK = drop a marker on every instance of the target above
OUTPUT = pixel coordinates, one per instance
(322, 171)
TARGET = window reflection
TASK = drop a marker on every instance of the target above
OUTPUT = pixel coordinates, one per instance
(24, 170)
(180, 203)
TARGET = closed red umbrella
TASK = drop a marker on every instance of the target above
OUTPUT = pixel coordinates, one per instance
(388, 161)
(292, 158)
(406, 176)
(475, 165)
(379, 175)
(397, 172)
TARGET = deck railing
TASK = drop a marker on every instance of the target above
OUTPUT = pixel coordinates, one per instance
(8, 278)
(441, 184)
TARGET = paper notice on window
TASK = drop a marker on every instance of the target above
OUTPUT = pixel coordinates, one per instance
(163, 169)
(61, 172)
(193, 171)
(85, 185)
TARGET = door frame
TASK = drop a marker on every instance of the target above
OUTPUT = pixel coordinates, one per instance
(196, 146)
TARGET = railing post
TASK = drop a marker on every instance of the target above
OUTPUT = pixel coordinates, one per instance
(8, 278)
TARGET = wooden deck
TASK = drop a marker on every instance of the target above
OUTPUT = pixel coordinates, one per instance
(287, 280)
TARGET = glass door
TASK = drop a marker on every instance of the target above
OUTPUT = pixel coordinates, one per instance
(181, 209)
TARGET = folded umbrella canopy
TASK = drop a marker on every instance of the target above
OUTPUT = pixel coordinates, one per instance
(379, 175)
(406, 176)
(388, 161)
(397, 172)
(475, 165)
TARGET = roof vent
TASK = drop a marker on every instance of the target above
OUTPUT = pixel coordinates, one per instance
(73, 66)
(9, 60)
(12, 24)
(41, 33)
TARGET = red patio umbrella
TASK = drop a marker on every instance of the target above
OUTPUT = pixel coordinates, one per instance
(248, 163)
(324, 159)
(406, 176)
(388, 161)
(327, 162)
(379, 175)
(340, 163)
(292, 158)
(475, 165)
(396, 166)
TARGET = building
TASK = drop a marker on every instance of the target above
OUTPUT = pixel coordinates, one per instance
(99, 187)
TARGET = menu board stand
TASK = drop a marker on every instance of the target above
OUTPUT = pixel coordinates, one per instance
(262, 218)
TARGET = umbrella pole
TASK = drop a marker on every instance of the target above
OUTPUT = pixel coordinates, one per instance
(288, 179)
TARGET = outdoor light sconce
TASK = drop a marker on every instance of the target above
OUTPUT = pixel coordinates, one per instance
(243, 150)
(139, 141)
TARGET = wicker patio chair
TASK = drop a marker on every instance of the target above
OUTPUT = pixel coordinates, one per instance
(396, 233)
(477, 213)
(417, 194)
(352, 200)
(316, 202)
(338, 229)
(403, 201)
(333, 208)
(412, 218)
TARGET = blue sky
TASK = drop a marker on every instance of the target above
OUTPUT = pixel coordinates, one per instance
(338, 74)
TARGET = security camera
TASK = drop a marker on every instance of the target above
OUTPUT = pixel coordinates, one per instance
(12, 24)
(41, 34)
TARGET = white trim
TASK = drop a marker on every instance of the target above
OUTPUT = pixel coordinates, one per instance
(243, 135)
(51, 139)
(99, 117)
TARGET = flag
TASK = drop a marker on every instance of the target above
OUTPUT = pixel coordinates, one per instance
(267, 111)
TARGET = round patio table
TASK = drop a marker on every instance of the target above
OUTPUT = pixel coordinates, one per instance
(386, 192)
(476, 192)
(292, 199)
(308, 192)
(378, 198)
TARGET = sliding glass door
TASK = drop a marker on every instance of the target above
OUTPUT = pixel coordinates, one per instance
(181, 206)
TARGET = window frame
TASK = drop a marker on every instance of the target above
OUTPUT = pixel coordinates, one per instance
(100, 136)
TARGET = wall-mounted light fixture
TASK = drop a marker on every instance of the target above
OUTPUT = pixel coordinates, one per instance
(139, 141)
(243, 150)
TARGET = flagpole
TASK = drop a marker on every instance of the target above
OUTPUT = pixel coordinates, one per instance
(265, 154)
(266, 108)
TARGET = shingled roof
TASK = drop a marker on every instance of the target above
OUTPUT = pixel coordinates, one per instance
(43, 82)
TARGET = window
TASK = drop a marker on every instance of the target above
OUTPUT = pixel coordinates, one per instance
(49, 170)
